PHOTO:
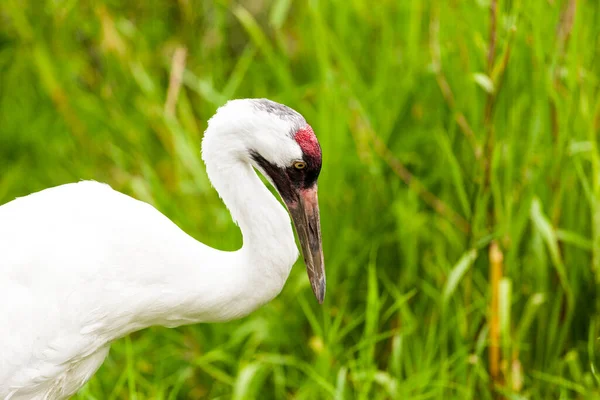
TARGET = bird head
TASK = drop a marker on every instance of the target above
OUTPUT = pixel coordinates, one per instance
(278, 142)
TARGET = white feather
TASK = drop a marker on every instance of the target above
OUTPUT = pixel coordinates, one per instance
(82, 265)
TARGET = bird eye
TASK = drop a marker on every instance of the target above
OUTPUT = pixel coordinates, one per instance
(299, 165)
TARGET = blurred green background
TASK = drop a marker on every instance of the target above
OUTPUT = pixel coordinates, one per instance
(460, 191)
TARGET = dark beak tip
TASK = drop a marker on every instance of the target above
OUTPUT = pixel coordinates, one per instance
(320, 290)
(305, 216)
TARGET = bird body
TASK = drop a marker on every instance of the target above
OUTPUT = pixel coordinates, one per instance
(82, 265)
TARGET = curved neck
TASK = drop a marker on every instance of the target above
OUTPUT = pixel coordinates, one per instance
(208, 285)
(269, 249)
(268, 239)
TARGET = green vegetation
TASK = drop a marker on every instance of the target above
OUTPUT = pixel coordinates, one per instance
(460, 190)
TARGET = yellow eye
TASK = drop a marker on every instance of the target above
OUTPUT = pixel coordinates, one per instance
(299, 165)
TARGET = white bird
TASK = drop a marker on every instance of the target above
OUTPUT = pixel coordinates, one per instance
(82, 265)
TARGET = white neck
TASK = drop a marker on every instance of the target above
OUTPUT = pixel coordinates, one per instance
(209, 285)
(269, 250)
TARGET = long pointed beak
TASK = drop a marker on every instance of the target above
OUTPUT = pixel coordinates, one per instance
(305, 214)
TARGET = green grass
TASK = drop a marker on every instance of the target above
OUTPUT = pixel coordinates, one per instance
(433, 154)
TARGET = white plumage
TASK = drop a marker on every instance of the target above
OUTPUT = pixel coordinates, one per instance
(82, 265)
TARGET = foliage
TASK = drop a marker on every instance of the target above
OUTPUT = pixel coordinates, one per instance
(460, 191)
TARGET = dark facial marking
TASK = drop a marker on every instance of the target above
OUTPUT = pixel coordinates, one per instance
(289, 181)
(279, 176)
(311, 154)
